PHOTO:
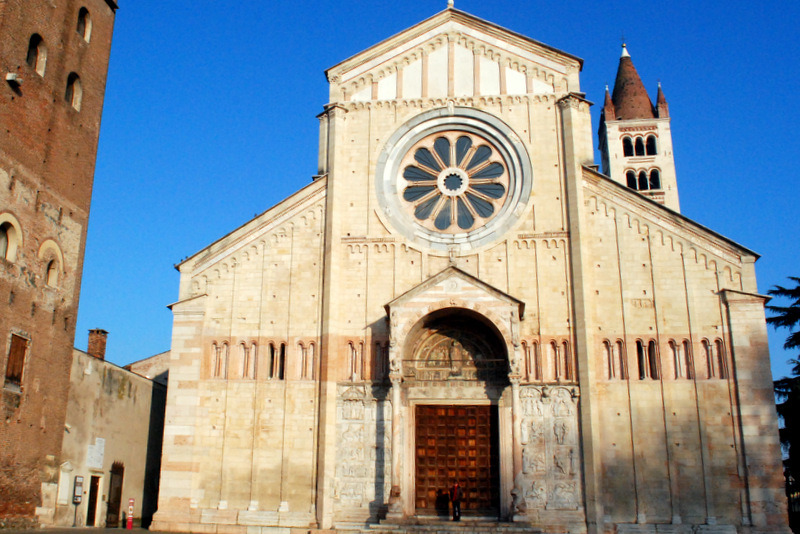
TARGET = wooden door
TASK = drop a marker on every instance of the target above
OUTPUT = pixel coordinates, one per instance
(457, 442)
(91, 507)
(114, 495)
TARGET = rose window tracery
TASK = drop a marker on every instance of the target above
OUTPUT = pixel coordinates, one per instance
(453, 181)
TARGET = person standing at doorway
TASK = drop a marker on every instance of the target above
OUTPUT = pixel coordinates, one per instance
(455, 497)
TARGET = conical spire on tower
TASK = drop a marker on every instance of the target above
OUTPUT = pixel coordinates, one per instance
(661, 104)
(630, 97)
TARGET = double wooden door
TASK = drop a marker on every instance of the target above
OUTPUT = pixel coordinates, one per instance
(457, 442)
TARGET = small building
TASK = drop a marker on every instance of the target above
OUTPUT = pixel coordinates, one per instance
(112, 442)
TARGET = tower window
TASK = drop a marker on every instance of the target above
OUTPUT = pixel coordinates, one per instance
(16, 361)
(74, 92)
(642, 181)
(651, 145)
(639, 146)
(84, 24)
(631, 177)
(51, 277)
(9, 240)
(627, 147)
(655, 179)
(37, 54)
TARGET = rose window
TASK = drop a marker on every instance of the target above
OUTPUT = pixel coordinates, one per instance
(453, 181)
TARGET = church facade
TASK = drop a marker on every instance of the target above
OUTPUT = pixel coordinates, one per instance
(461, 295)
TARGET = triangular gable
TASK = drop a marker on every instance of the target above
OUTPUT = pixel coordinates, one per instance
(300, 204)
(487, 59)
(604, 193)
(437, 285)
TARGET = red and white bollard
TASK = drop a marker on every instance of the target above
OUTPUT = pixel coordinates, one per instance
(130, 514)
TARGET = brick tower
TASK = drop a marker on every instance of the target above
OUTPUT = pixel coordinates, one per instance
(635, 137)
(54, 60)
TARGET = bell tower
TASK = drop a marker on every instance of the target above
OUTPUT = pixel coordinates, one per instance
(636, 139)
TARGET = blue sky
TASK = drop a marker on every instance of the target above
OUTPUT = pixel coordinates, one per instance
(210, 113)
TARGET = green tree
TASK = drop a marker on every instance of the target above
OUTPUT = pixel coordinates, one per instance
(787, 389)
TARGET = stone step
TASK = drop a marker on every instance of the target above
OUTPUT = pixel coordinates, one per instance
(440, 526)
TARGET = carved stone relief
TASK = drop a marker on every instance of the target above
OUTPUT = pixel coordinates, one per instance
(550, 476)
(363, 456)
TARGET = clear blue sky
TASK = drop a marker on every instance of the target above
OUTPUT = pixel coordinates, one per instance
(210, 112)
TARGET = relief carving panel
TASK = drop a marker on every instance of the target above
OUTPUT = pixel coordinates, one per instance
(363, 456)
(550, 477)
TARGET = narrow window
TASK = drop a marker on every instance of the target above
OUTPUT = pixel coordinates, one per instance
(621, 358)
(271, 366)
(655, 179)
(639, 146)
(222, 362)
(722, 368)
(652, 356)
(537, 361)
(643, 181)
(627, 147)
(244, 355)
(608, 355)
(553, 363)
(74, 93)
(252, 361)
(37, 54)
(641, 359)
(568, 371)
(84, 27)
(5, 229)
(312, 373)
(303, 351)
(16, 361)
(281, 363)
(677, 359)
(708, 352)
(631, 177)
(687, 357)
(651, 145)
(51, 277)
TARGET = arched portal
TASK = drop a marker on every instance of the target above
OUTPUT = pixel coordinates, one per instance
(455, 345)
(455, 367)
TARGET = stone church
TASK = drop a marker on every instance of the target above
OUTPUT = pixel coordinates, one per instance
(461, 294)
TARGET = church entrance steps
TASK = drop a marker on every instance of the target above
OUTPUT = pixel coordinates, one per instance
(434, 526)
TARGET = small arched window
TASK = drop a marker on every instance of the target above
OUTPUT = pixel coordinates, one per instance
(9, 241)
(722, 367)
(608, 356)
(688, 359)
(281, 370)
(631, 178)
(271, 361)
(639, 146)
(4, 230)
(74, 93)
(651, 145)
(677, 358)
(708, 352)
(37, 54)
(51, 277)
(655, 179)
(643, 181)
(652, 357)
(621, 357)
(84, 27)
(627, 147)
